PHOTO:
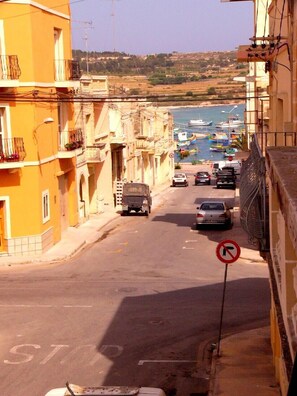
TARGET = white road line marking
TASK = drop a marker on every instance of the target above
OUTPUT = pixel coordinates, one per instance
(77, 306)
(142, 362)
(191, 241)
(187, 248)
(44, 306)
(25, 306)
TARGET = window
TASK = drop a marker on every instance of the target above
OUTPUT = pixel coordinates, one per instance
(45, 206)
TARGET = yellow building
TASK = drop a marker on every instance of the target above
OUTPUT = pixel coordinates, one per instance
(38, 142)
(93, 167)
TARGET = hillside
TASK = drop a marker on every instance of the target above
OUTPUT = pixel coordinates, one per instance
(176, 77)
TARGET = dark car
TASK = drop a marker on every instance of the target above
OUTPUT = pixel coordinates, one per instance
(202, 178)
(226, 178)
(136, 197)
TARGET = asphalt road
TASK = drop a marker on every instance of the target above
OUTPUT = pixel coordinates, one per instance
(141, 306)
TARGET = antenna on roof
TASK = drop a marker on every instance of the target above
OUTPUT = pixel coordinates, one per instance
(113, 22)
(85, 25)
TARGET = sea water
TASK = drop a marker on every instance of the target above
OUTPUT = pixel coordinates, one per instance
(216, 114)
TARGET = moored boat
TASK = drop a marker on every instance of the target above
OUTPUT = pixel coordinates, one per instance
(233, 121)
(219, 138)
(230, 152)
(199, 122)
(217, 147)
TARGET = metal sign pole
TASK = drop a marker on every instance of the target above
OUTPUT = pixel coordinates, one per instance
(222, 310)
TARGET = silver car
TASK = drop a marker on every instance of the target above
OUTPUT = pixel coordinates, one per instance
(214, 213)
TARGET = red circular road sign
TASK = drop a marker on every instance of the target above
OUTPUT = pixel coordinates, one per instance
(228, 251)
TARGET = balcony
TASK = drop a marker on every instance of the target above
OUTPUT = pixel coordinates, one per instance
(144, 145)
(276, 139)
(117, 138)
(95, 154)
(9, 68)
(66, 70)
(71, 143)
(140, 135)
(12, 153)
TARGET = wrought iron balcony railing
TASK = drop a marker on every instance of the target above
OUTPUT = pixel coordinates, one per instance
(12, 149)
(66, 69)
(9, 67)
(71, 139)
(275, 139)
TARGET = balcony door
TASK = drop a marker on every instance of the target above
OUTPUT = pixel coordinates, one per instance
(64, 220)
(59, 55)
(3, 147)
(63, 125)
(3, 63)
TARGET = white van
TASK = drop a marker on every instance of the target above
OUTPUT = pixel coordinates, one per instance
(218, 165)
(77, 390)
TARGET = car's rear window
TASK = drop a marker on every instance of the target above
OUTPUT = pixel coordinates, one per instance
(212, 206)
(179, 175)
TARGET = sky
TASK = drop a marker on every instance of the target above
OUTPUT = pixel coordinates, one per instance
(143, 27)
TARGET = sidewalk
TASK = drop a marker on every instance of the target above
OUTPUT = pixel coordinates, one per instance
(244, 367)
(73, 240)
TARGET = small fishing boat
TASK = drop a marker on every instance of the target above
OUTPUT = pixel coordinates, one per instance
(219, 138)
(230, 152)
(199, 122)
(183, 144)
(194, 151)
(199, 135)
(182, 136)
(217, 147)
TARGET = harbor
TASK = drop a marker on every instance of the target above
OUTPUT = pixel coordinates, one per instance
(197, 144)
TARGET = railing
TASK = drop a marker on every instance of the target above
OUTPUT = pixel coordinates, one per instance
(71, 139)
(94, 154)
(66, 69)
(9, 67)
(143, 144)
(12, 149)
(275, 139)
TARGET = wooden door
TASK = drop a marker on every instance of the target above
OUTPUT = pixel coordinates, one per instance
(1, 226)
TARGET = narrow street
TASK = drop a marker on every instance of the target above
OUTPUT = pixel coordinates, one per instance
(139, 307)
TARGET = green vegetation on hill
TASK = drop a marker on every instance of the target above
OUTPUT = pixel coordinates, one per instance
(174, 78)
(173, 68)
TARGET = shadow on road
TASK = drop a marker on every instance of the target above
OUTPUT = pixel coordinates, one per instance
(163, 338)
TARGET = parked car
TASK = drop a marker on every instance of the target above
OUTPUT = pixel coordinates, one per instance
(214, 213)
(136, 197)
(180, 179)
(72, 389)
(226, 178)
(202, 178)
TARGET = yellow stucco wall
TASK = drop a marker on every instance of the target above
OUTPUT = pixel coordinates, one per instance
(31, 100)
